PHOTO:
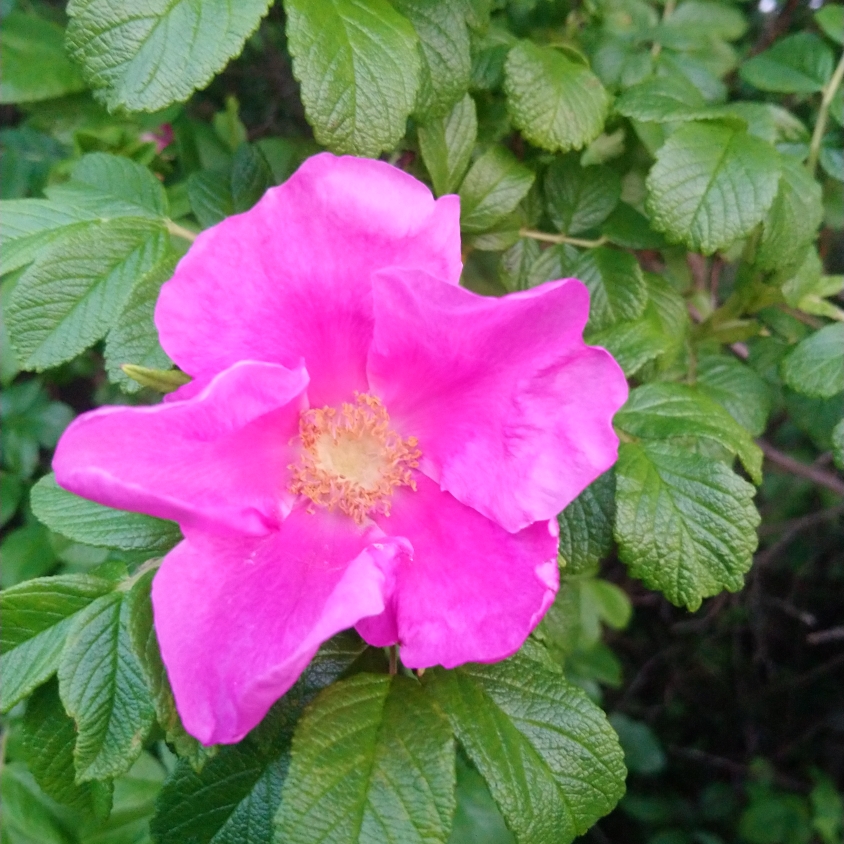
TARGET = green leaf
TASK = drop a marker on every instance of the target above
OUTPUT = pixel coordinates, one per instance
(661, 99)
(476, 817)
(446, 145)
(91, 523)
(251, 176)
(49, 737)
(616, 285)
(709, 19)
(792, 221)
(37, 615)
(556, 103)
(643, 753)
(444, 44)
(26, 553)
(359, 67)
(134, 338)
(135, 794)
(235, 795)
(547, 753)
(29, 226)
(665, 411)
(711, 184)
(736, 387)
(830, 18)
(209, 192)
(365, 747)
(145, 646)
(113, 186)
(685, 524)
(628, 228)
(29, 816)
(580, 198)
(816, 366)
(586, 526)
(72, 294)
(103, 689)
(144, 59)
(634, 343)
(798, 64)
(515, 264)
(35, 66)
(493, 188)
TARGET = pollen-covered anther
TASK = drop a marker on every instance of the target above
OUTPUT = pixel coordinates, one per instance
(351, 459)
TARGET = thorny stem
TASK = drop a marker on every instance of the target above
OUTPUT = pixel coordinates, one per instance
(829, 92)
(394, 660)
(545, 237)
(180, 231)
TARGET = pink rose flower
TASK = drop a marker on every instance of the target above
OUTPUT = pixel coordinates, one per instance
(364, 443)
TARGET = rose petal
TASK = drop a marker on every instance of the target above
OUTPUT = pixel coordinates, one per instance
(512, 410)
(217, 461)
(291, 278)
(239, 619)
(472, 592)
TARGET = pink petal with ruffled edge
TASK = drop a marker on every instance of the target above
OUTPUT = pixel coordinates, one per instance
(291, 278)
(217, 461)
(238, 619)
(512, 410)
(472, 592)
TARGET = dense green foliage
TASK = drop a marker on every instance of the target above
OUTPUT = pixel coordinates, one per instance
(684, 159)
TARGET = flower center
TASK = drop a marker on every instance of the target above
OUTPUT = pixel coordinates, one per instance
(351, 459)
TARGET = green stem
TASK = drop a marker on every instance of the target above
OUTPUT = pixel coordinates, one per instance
(180, 231)
(394, 660)
(562, 238)
(829, 91)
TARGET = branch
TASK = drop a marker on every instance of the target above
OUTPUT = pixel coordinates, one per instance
(823, 113)
(821, 477)
(562, 238)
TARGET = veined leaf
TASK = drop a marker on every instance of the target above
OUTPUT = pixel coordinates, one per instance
(146, 58)
(711, 185)
(49, 737)
(616, 285)
(685, 524)
(103, 689)
(735, 386)
(112, 186)
(580, 198)
(493, 188)
(72, 293)
(235, 795)
(665, 411)
(372, 760)
(792, 221)
(37, 616)
(446, 62)
(816, 366)
(134, 337)
(798, 64)
(586, 525)
(93, 524)
(359, 68)
(557, 103)
(446, 145)
(547, 753)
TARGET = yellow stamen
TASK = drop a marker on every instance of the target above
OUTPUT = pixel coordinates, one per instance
(351, 459)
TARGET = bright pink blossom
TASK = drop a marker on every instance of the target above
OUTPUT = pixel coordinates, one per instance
(364, 443)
